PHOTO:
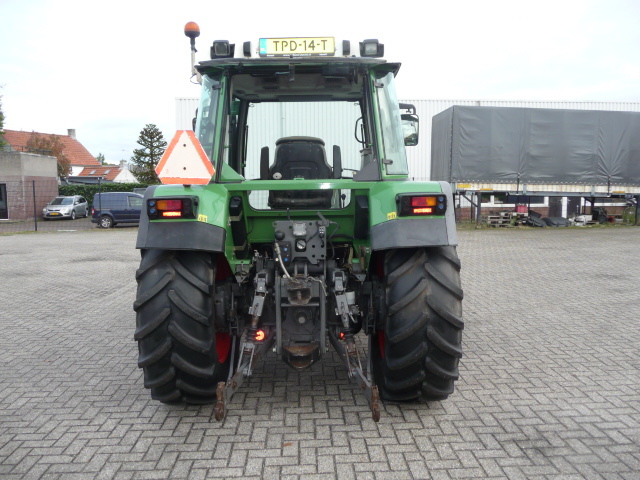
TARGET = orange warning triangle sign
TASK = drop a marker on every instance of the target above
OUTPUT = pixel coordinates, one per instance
(184, 161)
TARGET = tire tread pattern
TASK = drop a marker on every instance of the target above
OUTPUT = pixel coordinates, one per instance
(175, 326)
(423, 325)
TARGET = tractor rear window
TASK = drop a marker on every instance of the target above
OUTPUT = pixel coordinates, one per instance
(302, 140)
(332, 122)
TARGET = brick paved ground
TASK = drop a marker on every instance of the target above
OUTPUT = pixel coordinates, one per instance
(550, 384)
(57, 225)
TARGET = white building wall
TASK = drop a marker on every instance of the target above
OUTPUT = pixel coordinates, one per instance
(185, 112)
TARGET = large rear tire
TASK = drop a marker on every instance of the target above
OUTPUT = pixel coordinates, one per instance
(182, 356)
(416, 356)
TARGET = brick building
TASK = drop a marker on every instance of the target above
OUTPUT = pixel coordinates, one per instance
(29, 180)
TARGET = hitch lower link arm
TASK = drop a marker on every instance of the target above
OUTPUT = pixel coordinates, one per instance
(252, 351)
(350, 354)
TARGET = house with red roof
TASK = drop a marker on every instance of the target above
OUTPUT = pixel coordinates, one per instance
(106, 173)
(78, 156)
(29, 179)
(84, 167)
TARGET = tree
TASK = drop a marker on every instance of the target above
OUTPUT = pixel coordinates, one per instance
(50, 145)
(100, 159)
(146, 158)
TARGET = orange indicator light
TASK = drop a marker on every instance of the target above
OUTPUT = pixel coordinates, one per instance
(169, 205)
(423, 201)
(259, 335)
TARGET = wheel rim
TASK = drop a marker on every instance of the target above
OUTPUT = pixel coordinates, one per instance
(380, 342)
(223, 345)
(73, 214)
(105, 222)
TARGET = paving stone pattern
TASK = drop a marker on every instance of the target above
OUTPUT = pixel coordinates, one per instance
(54, 225)
(549, 384)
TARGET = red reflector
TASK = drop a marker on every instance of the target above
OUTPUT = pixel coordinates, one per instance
(259, 335)
(341, 336)
(423, 202)
(169, 204)
(172, 214)
(423, 211)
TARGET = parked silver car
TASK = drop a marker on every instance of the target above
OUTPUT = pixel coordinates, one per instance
(66, 207)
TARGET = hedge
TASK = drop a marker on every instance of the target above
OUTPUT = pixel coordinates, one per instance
(88, 191)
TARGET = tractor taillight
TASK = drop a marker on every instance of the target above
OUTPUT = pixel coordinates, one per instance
(171, 214)
(423, 201)
(422, 211)
(169, 204)
(419, 205)
(172, 208)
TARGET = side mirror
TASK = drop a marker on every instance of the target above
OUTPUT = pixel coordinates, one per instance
(193, 121)
(410, 130)
(359, 139)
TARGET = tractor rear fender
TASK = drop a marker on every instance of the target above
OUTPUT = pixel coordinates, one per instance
(406, 232)
(184, 235)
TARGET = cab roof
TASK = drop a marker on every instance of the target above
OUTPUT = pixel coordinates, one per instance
(246, 65)
(297, 79)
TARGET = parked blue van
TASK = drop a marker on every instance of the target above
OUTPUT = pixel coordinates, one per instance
(110, 208)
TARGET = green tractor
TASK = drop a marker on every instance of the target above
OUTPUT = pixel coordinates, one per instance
(292, 244)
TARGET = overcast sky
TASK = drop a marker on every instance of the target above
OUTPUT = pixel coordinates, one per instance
(109, 68)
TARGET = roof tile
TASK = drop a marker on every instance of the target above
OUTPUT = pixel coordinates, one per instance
(75, 152)
(107, 172)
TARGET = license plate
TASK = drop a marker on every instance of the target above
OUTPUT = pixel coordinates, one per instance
(298, 47)
(54, 213)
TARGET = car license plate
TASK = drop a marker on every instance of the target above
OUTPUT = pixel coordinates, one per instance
(298, 47)
(54, 213)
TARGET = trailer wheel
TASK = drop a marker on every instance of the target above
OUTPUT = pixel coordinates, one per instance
(182, 356)
(416, 356)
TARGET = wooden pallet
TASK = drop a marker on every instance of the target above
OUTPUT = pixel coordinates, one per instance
(498, 220)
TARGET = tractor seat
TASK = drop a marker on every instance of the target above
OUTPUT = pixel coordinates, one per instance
(300, 157)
